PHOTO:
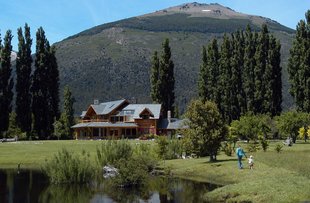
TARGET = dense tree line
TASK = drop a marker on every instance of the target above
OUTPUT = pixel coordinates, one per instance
(162, 79)
(299, 65)
(243, 75)
(37, 97)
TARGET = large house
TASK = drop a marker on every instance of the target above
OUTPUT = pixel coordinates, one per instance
(122, 119)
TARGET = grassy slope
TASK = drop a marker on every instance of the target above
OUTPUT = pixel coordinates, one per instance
(280, 177)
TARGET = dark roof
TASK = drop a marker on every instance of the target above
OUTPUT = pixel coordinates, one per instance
(174, 124)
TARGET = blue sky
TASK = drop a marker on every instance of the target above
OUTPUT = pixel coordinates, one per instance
(63, 18)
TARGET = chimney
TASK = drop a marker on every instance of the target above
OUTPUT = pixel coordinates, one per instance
(169, 116)
(96, 101)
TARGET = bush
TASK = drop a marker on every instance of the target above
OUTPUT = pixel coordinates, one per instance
(253, 147)
(146, 155)
(111, 151)
(67, 167)
(162, 147)
(278, 148)
(264, 144)
(227, 148)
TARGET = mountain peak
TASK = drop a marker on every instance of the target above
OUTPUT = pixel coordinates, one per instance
(213, 10)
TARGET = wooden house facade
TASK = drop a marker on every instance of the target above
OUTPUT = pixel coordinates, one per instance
(118, 119)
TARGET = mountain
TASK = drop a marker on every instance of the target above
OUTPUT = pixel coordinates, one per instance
(112, 61)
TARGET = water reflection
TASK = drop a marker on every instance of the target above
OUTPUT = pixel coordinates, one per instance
(32, 186)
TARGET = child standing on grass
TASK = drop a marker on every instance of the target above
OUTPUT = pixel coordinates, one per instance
(251, 162)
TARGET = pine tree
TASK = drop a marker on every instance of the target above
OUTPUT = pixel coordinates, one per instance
(299, 65)
(155, 91)
(203, 88)
(6, 82)
(45, 87)
(166, 81)
(23, 80)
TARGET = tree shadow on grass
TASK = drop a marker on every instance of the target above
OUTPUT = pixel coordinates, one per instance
(220, 161)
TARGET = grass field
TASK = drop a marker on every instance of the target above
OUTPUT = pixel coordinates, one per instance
(277, 177)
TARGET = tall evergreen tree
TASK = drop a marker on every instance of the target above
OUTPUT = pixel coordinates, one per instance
(166, 81)
(203, 89)
(23, 80)
(299, 65)
(6, 82)
(67, 117)
(155, 80)
(45, 87)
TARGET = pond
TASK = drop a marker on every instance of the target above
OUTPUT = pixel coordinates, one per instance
(32, 186)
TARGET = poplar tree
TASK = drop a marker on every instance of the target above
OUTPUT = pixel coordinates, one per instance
(6, 82)
(261, 55)
(248, 79)
(155, 80)
(213, 71)
(45, 87)
(274, 88)
(238, 98)
(225, 79)
(23, 80)
(203, 88)
(166, 81)
(299, 65)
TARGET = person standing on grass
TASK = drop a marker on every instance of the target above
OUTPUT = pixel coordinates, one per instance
(240, 153)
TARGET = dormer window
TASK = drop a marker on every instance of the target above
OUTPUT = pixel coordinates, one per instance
(146, 114)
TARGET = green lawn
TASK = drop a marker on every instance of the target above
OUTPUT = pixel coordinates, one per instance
(283, 177)
(277, 177)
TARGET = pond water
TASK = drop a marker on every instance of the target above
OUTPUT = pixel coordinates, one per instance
(32, 186)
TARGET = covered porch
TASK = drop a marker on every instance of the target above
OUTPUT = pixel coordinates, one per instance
(105, 130)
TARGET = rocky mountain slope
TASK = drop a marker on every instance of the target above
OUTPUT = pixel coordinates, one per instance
(112, 61)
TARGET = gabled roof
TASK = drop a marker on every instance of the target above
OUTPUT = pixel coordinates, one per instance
(146, 110)
(136, 109)
(106, 107)
(174, 124)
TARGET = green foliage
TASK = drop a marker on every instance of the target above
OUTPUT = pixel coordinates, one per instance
(253, 147)
(162, 147)
(111, 151)
(62, 127)
(252, 127)
(23, 80)
(155, 80)
(206, 128)
(227, 148)
(290, 122)
(264, 144)
(278, 148)
(298, 65)
(6, 82)
(45, 87)
(13, 129)
(68, 167)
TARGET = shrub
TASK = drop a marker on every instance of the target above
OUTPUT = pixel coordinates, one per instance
(227, 148)
(146, 155)
(66, 167)
(278, 148)
(162, 147)
(264, 144)
(253, 147)
(111, 151)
